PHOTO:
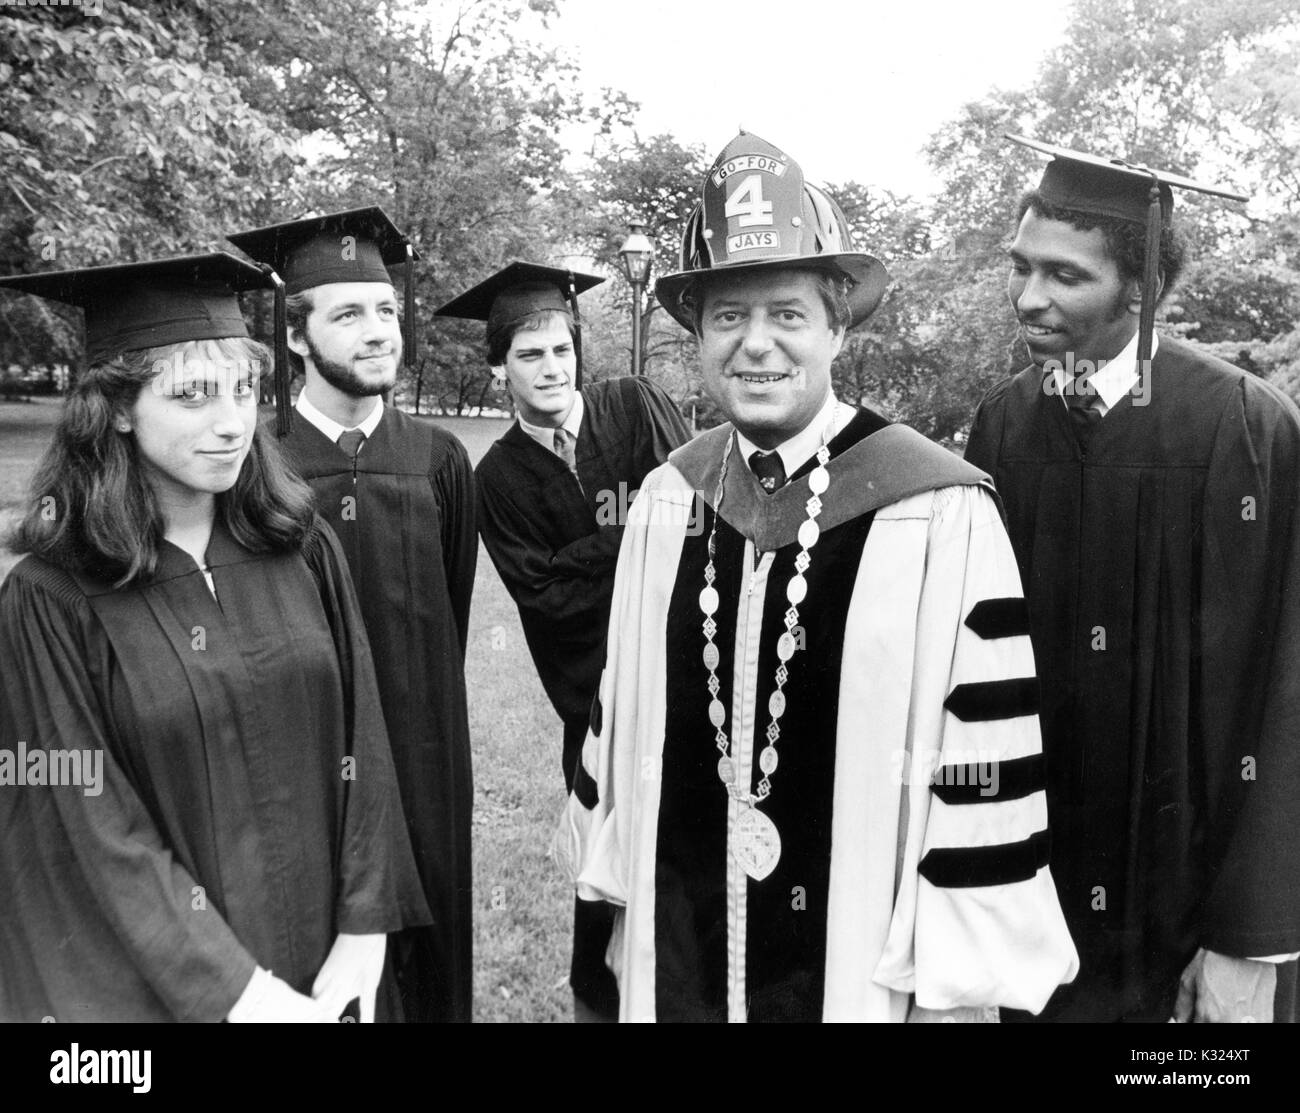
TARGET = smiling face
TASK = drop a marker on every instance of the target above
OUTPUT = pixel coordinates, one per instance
(193, 424)
(1068, 293)
(539, 368)
(352, 338)
(766, 347)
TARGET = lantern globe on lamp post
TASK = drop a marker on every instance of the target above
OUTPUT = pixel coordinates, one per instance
(636, 255)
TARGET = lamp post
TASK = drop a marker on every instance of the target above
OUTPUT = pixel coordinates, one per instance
(636, 254)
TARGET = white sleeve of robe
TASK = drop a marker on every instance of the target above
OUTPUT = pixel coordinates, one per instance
(1001, 944)
(622, 758)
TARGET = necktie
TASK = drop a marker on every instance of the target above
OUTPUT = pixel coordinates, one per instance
(351, 440)
(769, 469)
(1084, 414)
(564, 449)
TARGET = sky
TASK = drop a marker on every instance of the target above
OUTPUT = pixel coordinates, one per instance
(850, 88)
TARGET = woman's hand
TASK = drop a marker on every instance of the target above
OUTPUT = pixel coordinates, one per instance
(352, 969)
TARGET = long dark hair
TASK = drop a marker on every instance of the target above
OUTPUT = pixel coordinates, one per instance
(92, 509)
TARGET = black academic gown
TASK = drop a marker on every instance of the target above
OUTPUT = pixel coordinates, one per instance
(554, 541)
(1161, 561)
(247, 811)
(405, 519)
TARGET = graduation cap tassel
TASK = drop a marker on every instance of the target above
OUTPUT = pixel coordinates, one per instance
(577, 332)
(410, 306)
(283, 411)
(1150, 278)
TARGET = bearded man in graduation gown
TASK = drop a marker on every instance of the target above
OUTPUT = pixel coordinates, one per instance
(552, 497)
(812, 786)
(1152, 507)
(400, 494)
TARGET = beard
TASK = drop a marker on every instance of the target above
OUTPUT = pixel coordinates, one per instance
(342, 377)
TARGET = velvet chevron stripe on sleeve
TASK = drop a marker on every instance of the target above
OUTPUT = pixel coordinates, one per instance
(999, 618)
(991, 781)
(976, 866)
(994, 699)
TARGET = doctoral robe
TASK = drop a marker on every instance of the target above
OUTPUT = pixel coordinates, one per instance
(1161, 559)
(248, 811)
(554, 540)
(905, 872)
(404, 514)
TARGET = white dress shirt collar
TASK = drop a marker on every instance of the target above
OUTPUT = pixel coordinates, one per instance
(545, 435)
(332, 428)
(1114, 379)
(796, 451)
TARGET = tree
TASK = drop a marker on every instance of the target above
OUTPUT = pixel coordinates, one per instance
(656, 182)
(452, 118)
(121, 142)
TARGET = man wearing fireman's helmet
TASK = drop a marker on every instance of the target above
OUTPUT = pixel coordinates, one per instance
(813, 785)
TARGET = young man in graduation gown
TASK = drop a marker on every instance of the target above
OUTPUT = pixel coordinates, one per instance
(400, 494)
(1152, 507)
(812, 787)
(552, 497)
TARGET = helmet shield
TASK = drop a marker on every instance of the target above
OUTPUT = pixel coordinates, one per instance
(752, 204)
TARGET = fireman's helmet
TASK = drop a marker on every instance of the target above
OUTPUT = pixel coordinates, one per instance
(757, 211)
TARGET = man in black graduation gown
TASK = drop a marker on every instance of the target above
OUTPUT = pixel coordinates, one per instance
(553, 494)
(400, 494)
(1152, 507)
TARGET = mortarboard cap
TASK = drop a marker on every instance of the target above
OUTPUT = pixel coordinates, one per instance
(146, 305)
(357, 245)
(1124, 190)
(519, 289)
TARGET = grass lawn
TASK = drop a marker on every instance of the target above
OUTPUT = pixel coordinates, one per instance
(522, 907)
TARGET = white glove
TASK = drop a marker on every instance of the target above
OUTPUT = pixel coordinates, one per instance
(267, 999)
(352, 969)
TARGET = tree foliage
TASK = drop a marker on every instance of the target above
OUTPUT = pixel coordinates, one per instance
(451, 117)
(1207, 89)
(657, 183)
(120, 142)
(157, 126)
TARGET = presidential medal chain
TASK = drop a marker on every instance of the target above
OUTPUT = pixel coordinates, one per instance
(757, 843)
